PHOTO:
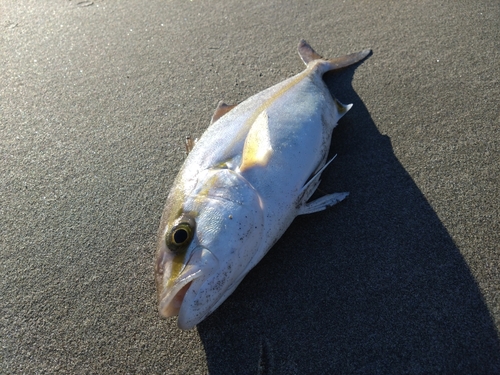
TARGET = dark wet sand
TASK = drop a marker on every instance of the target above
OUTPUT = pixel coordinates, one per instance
(402, 277)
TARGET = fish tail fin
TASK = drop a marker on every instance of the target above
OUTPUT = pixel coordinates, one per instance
(308, 55)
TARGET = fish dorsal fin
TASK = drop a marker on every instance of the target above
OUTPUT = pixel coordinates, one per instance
(307, 54)
(257, 149)
(221, 110)
(189, 143)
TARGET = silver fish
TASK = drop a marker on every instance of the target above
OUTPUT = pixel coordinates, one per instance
(243, 182)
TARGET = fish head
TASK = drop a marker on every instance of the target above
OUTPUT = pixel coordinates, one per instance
(206, 244)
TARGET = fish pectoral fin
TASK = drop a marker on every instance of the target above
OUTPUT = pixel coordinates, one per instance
(257, 149)
(221, 110)
(322, 203)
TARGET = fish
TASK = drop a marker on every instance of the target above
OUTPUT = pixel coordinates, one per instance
(242, 184)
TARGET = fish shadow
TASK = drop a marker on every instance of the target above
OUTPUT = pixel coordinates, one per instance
(374, 285)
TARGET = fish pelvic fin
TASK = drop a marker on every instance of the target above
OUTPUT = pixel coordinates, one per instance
(310, 187)
(319, 204)
(308, 55)
(322, 203)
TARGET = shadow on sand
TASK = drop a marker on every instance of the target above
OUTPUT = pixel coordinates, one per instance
(374, 285)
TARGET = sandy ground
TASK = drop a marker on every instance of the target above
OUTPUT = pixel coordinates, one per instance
(401, 278)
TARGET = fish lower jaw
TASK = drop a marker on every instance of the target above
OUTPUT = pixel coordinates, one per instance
(171, 304)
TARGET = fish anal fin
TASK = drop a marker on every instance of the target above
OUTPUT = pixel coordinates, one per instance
(341, 108)
(257, 149)
(322, 203)
(221, 110)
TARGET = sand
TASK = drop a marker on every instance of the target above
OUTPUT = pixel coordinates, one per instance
(96, 98)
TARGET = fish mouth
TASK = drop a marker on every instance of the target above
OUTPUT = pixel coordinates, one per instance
(201, 262)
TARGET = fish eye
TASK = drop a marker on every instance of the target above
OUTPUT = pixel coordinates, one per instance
(181, 234)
